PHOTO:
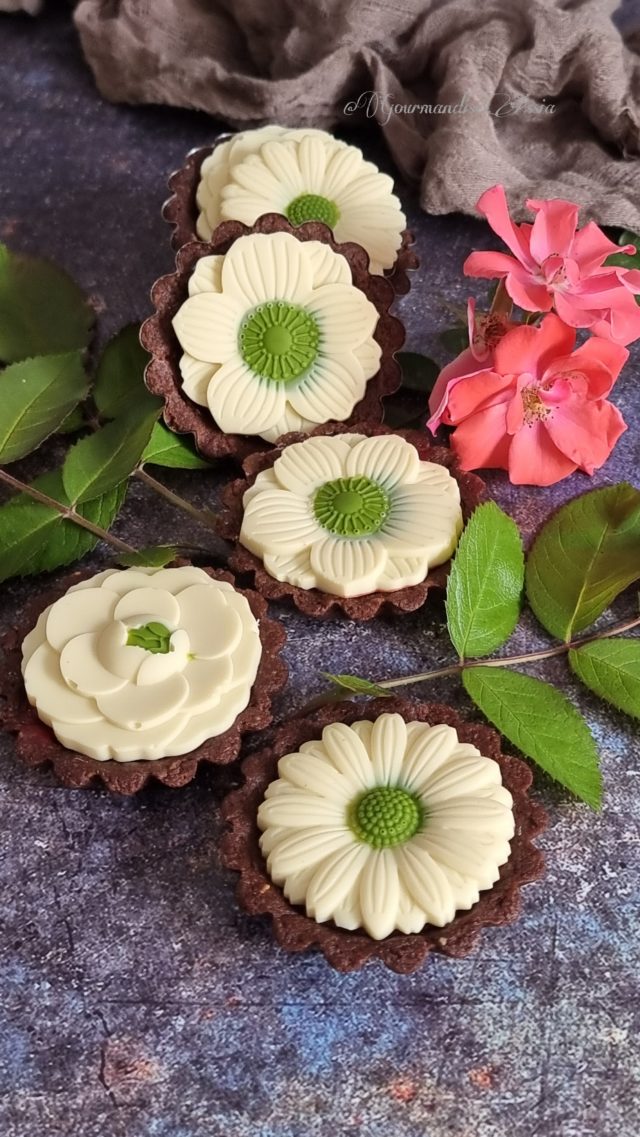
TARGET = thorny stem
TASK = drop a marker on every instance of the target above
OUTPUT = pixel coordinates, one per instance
(338, 695)
(200, 515)
(66, 511)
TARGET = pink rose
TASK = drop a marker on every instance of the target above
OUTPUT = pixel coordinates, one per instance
(556, 266)
(539, 410)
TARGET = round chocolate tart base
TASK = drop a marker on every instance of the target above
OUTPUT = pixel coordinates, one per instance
(36, 744)
(181, 212)
(344, 950)
(163, 377)
(313, 602)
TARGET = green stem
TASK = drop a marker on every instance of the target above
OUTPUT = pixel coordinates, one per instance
(203, 517)
(334, 696)
(66, 511)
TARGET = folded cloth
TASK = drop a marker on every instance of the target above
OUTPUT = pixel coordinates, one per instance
(541, 95)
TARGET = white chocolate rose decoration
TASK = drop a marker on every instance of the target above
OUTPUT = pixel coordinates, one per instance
(142, 663)
(275, 336)
(386, 826)
(352, 515)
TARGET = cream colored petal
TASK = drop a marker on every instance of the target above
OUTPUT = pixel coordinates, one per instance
(48, 692)
(148, 604)
(265, 479)
(426, 884)
(296, 885)
(243, 403)
(254, 190)
(298, 811)
(476, 867)
(278, 521)
(379, 893)
(116, 654)
(207, 325)
(386, 459)
(344, 165)
(124, 580)
(196, 377)
(348, 913)
(207, 275)
(103, 740)
(410, 918)
(473, 814)
(267, 266)
(82, 670)
(214, 173)
(296, 852)
(345, 750)
(214, 627)
(327, 267)
(306, 465)
(175, 580)
(289, 421)
(330, 390)
(251, 141)
(313, 153)
(369, 354)
(333, 879)
(292, 567)
(348, 567)
(427, 749)
(208, 679)
(387, 747)
(317, 776)
(401, 572)
(281, 159)
(138, 708)
(465, 772)
(421, 523)
(364, 730)
(97, 581)
(35, 637)
(211, 723)
(77, 612)
(344, 316)
(378, 230)
(246, 657)
(158, 666)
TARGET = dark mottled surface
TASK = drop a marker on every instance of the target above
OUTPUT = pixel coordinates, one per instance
(134, 997)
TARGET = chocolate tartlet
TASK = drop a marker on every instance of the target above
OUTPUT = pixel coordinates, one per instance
(312, 601)
(349, 950)
(180, 210)
(36, 743)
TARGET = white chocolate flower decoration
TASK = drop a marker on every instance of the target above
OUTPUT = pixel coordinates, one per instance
(276, 337)
(386, 826)
(215, 171)
(318, 178)
(142, 663)
(352, 515)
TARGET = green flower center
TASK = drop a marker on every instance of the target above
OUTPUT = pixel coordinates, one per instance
(385, 816)
(312, 207)
(279, 341)
(152, 637)
(351, 507)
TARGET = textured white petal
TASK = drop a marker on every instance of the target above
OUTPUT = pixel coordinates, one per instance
(348, 755)
(328, 267)
(103, 742)
(426, 884)
(207, 275)
(241, 402)
(289, 421)
(148, 604)
(363, 729)
(464, 773)
(456, 854)
(82, 670)
(385, 458)
(380, 893)
(401, 572)
(348, 567)
(297, 852)
(309, 464)
(427, 750)
(267, 266)
(330, 390)
(333, 880)
(196, 376)
(312, 156)
(207, 679)
(279, 520)
(292, 567)
(422, 522)
(47, 690)
(387, 747)
(345, 164)
(471, 813)
(214, 628)
(297, 811)
(77, 612)
(316, 776)
(369, 353)
(137, 708)
(214, 173)
(207, 325)
(344, 316)
(173, 580)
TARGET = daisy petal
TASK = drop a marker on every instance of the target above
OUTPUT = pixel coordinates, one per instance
(348, 755)
(267, 266)
(327, 267)
(279, 520)
(316, 775)
(348, 567)
(427, 885)
(387, 748)
(380, 893)
(294, 852)
(473, 814)
(427, 749)
(207, 326)
(333, 880)
(300, 810)
(241, 402)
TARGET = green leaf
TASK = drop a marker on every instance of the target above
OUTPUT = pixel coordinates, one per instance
(611, 668)
(35, 538)
(119, 384)
(35, 398)
(100, 461)
(587, 553)
(42, 310)
(168, 449)
(542, 723)
(155, 556)
(419, 373)
(455, 339)
(357, 685)
(74, 422)
(485, 583)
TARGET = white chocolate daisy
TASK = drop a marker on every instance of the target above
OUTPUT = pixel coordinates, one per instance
(318, 178)
(142, 663)
(275, 336)
(386, 826)
(352, 515)
(215, 171)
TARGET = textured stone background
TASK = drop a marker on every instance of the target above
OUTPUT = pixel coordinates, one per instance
(134, 997)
